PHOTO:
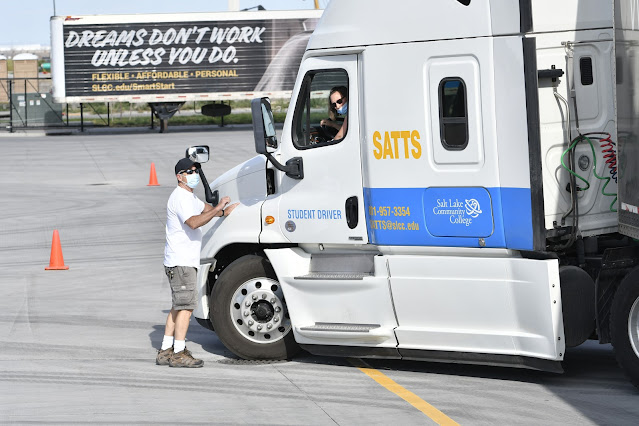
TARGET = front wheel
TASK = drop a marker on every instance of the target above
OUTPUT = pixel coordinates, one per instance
(248, 311)
(624, 326)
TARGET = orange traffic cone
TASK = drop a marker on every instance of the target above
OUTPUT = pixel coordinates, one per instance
(153, 179)
(57, 261)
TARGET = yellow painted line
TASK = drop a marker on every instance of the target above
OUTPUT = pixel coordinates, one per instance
(408, 396)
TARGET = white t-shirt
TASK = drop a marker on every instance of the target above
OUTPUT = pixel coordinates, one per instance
(183, 244)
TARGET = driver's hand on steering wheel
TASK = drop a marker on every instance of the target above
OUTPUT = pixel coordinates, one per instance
(325, 122)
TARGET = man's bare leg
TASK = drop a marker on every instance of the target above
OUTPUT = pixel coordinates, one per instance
(177, 323)
(169, 327)
(182, 357)
(168, 340)
(181, 323)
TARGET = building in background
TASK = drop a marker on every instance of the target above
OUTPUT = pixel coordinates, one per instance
(25, 73)
(40, 50)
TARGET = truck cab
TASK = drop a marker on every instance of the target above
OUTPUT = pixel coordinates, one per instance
(467, 210)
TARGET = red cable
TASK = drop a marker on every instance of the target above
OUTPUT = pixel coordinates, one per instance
(608, 149)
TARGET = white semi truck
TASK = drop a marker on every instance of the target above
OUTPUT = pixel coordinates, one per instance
(482, 206)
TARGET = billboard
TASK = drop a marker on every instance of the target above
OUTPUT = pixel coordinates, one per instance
(180, 57)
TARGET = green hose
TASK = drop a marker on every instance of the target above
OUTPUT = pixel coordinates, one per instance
(573, 144)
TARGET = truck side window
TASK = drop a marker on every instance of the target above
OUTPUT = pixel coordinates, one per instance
(585, 66)
(317, 121)
(453, 113)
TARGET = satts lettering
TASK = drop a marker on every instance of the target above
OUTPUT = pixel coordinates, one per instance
(397, 144)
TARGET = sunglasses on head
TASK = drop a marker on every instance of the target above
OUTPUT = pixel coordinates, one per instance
(190, 171)
(337, 102)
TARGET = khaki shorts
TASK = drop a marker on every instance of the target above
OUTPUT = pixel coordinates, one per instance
(182, 280)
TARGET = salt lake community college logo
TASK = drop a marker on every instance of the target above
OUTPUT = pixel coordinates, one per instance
(473, 209)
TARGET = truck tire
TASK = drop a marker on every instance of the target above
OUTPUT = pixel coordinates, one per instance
(248, 311)
(624, 325)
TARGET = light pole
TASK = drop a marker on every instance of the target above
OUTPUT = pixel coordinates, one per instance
(54, 14)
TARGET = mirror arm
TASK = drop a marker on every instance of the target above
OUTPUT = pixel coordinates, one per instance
(208, 194)
(294, 167)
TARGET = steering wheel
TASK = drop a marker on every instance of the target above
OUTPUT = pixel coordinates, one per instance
(328, 131)
(315, 136)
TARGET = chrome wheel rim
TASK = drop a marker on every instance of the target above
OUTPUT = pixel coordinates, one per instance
(633, 327)
(258, 311)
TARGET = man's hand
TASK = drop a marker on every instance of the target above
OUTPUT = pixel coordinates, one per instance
(223, 202)
(222, 205)
(210, 212)
(229, 209)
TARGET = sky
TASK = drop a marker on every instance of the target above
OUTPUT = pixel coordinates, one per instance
(24, 22)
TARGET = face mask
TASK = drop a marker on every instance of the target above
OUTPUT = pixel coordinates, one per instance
(343, 109)
(192, 180)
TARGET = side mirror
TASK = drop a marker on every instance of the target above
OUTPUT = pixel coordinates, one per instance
(198, 154)
(265, 138)
(263, 125)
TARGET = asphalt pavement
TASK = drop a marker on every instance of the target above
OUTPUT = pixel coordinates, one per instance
(79, 345)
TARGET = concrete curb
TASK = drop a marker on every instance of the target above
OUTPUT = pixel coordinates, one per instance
(22, 133)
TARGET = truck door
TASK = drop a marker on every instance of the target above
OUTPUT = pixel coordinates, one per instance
(334, 297)
(326, 206)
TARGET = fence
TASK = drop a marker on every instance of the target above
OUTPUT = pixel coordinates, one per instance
(26, 103)
(29, 104)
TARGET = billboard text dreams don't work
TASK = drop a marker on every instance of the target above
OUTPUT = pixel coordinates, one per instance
(261, 55)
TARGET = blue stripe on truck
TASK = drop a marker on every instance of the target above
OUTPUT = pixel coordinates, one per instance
(450, 217)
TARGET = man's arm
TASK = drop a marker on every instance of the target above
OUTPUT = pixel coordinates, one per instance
(210, 212)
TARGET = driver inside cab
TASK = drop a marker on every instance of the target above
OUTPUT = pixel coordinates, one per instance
(337, 105)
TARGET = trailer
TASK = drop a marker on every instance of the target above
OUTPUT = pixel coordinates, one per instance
(482, 206)
(168, 59)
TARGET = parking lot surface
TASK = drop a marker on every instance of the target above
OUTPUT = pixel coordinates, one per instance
(79, 346)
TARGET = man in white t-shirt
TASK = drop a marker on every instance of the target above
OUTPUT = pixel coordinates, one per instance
(185, 214)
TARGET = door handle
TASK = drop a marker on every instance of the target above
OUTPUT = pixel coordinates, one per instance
(352, 212)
